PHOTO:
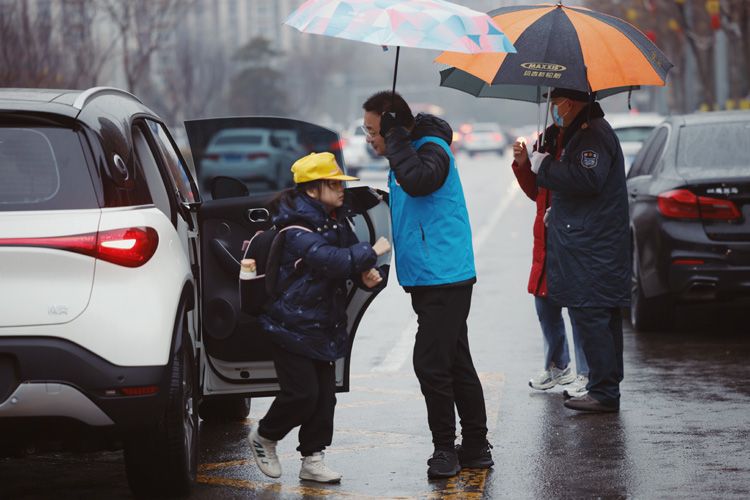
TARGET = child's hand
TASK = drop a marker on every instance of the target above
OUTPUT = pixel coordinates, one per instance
(371, 278)
(382, 246)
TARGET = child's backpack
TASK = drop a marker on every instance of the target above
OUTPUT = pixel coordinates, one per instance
(265, 247)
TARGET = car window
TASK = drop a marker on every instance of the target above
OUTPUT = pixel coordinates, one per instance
(633, 134)
(707, 146)
(654, 153)
(637, 167)
(177, 169)
(44, 168)
(485, 127)
(150, 167)
(264, 167)
(233, 140)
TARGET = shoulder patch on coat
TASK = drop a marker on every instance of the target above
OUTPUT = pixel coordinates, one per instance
(589, 159)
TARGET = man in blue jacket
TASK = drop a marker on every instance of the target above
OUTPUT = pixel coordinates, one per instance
(588, 262)
(435, 264)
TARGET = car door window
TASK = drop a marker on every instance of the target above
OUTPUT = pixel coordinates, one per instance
(176, 168)
(256, 151)
(637, 168)
(654, 153)
(150, 167)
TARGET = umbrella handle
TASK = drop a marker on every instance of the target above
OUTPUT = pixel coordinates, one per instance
(546, 117)
(395, 74)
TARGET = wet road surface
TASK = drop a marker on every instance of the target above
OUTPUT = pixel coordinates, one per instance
(682, 431)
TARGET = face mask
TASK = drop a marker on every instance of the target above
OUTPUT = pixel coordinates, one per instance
(556, 116)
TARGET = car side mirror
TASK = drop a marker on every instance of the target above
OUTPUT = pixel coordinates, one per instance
(227, 187)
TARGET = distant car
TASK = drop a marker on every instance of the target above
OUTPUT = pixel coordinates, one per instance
(358, 154)
(253, 155)
(484, 138)
(632, 130)
(689, 195)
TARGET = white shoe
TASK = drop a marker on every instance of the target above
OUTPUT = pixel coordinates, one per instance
(314, 469)
(264, 451)
(548, 379)
(577, 388)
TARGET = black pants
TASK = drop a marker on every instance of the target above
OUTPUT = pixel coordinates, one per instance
(443, 365)
(600, 330)
(307, 399)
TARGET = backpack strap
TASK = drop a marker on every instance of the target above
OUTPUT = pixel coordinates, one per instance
(274, 264)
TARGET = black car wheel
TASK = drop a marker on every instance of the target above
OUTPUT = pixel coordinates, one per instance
(647, 314)
(162, 460)
(227, 409)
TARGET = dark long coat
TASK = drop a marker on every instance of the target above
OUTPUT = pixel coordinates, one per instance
(588, 243)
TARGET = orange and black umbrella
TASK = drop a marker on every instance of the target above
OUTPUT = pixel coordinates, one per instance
(558, 46)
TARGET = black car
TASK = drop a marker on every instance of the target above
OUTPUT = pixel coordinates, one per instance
(689, 194)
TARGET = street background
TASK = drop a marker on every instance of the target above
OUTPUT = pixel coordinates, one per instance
(683, 428)
(682, 431)
(191, 59)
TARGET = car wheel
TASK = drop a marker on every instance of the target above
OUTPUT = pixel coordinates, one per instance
(353, 171)
(225, 409)
(162, 460)
(647, 314)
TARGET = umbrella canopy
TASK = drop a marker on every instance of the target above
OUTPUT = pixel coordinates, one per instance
(425, 24)
(461, 80)
(560, 46)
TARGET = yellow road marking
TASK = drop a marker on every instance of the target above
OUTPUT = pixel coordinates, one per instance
(469, 484)
(278, 488)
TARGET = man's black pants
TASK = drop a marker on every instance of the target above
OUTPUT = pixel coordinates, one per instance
(307, 399)
(443, 365)
(600, 330)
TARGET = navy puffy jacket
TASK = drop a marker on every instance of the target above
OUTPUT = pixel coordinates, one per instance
(309, 318)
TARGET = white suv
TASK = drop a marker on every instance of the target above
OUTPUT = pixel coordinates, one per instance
(119, 314)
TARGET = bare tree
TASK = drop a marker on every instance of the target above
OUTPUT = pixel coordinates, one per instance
(39, 51)
(143, 27)
(195, 82)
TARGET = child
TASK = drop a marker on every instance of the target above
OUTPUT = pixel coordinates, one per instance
(308, 321)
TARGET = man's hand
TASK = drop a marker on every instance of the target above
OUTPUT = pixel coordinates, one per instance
(520, 154)
(382, 246)
(371, 278)
(536, 160)
(389, 121)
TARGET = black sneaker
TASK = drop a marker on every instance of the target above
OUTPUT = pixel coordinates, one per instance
(443, 463)
(475, 458)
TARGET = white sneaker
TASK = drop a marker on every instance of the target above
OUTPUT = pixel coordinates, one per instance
(264, 451)
(577, 388)
(548, 379)
(314, 469)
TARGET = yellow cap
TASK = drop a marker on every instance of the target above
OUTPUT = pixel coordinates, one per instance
(317, 166)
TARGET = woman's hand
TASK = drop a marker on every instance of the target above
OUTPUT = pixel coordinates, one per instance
(382, 246)
(520, 154)
(371, 278)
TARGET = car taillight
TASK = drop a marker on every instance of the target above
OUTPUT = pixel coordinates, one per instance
(337, 145)
(683, 204)
(257, 156)
(129, 247)
(212, 157)
(497, 137)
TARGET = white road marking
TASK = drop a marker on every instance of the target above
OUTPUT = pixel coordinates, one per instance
(400, 351)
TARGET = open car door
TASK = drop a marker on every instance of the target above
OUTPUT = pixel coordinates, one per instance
(241, 165)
